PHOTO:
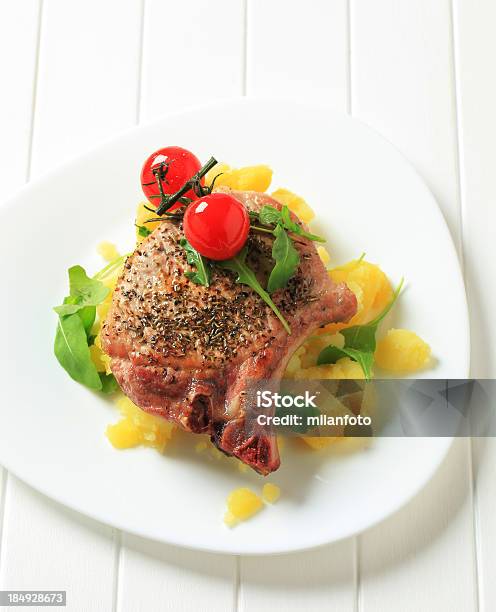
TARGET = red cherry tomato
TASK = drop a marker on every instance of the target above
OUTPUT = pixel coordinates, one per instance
(174, 166)
(217, 226)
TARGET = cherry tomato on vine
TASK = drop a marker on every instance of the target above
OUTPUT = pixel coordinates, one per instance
(173, 166)
(217, 226)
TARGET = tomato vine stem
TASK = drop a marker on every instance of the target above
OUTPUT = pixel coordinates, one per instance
(193, 183)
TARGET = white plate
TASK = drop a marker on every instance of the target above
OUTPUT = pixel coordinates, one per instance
(367, 198)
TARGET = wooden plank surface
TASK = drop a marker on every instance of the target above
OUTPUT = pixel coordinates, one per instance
(97, 74)
(322, 579)
(193, 53)
(19, 31)
(475, 47)
(89, 68)
(3, 486)
(19, 37)
(402, 84)
(295, 53)
(47, 546)
(423, 557)
(158, 577)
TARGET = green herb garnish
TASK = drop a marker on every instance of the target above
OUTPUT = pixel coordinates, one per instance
(143, 231)
(202, 274)
(76, 317)
(246, 276)
(359, 341)
(271, 216)
(268, 215)
(84, 291)
(286, 258)
(109, 384)
(73, 353)
(284, 254)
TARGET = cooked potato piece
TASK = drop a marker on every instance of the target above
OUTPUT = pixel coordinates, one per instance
(253, 178)
(124, 434)
(221, 171)
(318, 443)
(402, 351)
(271, 492)
(248, 178)
(242, 503)
(108, 251)
(138, 428)
(371, 287)
(142, 215)
(315, 344)
(99, 355)
(324, 255)
(295, 203)
(98, 358)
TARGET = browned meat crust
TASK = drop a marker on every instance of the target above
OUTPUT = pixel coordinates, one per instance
(185, 352)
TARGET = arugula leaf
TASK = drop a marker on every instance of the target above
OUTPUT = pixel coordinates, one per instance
(271, 216)
(359, 341)
(109, 384)
(360, 337)
(286, 258)
(84, 291)
(247, 277)
(292, 226)
(143, 231)
(76, 318)
(86, 313)
(87, 316)
(202, 274)
(283, 251)
(72, 351)
(89, 290)
(332, 353)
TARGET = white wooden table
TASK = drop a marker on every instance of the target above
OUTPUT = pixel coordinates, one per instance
(419, 71)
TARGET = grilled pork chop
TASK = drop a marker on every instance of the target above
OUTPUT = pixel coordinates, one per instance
(186, 352)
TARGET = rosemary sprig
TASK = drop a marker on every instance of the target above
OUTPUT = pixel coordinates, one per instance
(168, 216)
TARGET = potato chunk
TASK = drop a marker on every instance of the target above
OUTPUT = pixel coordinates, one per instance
(271, 492)
(324, 255)
(242, 504)
(138, 428)
(295, 203)
(142, 215)
(108, 251)
(248, 178)
(402, 351)
(371, 287)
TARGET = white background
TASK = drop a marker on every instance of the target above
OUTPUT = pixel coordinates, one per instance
(422, 73)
